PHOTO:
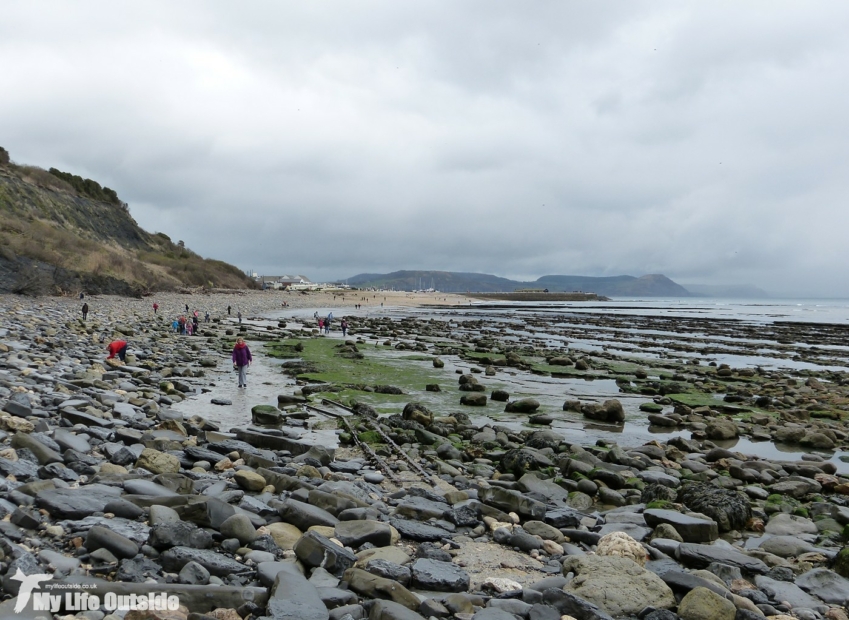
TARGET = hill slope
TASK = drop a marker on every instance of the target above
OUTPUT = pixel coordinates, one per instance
(452, 282)
(55, 238)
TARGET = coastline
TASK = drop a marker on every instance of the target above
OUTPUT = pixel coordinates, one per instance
(437, 501)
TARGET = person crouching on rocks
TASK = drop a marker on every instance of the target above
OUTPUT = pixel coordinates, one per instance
(119, 348)
(242, 358)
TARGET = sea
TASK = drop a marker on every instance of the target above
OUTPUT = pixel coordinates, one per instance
(755, 312)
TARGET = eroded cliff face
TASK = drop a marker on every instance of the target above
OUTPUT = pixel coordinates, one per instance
(55, 241)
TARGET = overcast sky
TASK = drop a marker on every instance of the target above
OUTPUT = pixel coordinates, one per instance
(707, 141)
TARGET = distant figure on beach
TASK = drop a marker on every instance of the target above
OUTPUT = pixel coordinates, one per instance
(195, 313)
(240, 317)
(206, 317)
(320, 325)
(182, 323)
(187, 308)
(175, 326)
(155, 307)
(119, 348)
(228, 310)
(188, 328)
(195, 324)
(82, 294)
(242, 358)
(344, 326)
(85, 311)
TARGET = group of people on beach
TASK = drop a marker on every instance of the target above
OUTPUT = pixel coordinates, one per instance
(324, 323)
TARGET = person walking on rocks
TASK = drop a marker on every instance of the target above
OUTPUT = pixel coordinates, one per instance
(155, 307)
(119, 348)
(85, 311)
(344, 326)
(242, 358)
(206, 317)
(187, 308)
(195, 325)
(239, 315)
(228, 310)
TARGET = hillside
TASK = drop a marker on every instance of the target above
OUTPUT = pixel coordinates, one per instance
(61, 234)
(452, 282)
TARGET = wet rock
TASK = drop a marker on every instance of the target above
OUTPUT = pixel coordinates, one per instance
(474, 399)
(293, 597)
(570, 604)
(356, 533)
(608, 411)
(520, 460)
(440, 576)
(730, 510)
(415, 530)
(102, 538)
(304, 516)
(388, 570)
(825, 585)
(176, 558)
(689, 528)
(701, 556)
(783, 591)
(239, 526)
(313, 549)
(524, 405)
(178, 534)
(76, 503)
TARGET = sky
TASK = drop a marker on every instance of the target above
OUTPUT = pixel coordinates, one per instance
(707, 141)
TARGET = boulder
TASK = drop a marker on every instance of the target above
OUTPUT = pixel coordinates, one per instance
(703, 604)
(730, 510)
(524, 405)
(157, 462)
(617, 585)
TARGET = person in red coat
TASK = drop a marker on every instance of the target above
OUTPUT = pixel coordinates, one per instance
(119, 348)
(242, 358)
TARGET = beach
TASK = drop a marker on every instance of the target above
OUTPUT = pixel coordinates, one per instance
(440, 460)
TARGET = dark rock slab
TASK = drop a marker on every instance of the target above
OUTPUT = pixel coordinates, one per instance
(304, 516)
(355, 533)
(691, 529)
(569, 604)
(174, 559)
(430, 574)
(826, 585)
(293, 597)
(418, 531)
(313, 549)
(76, 503)
(693, 554)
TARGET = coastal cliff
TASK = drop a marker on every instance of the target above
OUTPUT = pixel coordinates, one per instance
(61, 234)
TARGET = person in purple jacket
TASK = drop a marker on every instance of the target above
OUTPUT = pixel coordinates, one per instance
(242, 358)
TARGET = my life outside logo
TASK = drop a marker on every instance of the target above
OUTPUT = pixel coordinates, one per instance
(77, 599)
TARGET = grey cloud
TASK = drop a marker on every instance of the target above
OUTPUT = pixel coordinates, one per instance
(703, 141)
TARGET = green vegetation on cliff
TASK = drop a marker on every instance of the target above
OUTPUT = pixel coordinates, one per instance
(61, 234)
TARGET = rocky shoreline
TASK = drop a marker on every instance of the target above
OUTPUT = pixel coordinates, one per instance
(419, 514)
